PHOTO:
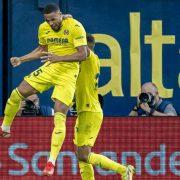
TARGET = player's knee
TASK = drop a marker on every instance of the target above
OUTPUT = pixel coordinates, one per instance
(26, 89)
(60, 107)
(82, 156)
(83, 153)
(15, 97)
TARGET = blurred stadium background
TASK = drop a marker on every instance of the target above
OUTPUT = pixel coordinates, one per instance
(126, 32)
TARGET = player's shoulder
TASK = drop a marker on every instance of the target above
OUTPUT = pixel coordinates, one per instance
(72, 22)
(44, 26)
(94, 55)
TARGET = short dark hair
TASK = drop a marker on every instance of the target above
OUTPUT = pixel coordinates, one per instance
(49, 8)
(90, 38)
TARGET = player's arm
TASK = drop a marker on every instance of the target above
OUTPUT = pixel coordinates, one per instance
(81, 55)
(35, 54)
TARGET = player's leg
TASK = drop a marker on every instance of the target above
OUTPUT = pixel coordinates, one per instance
(84, 140)
(126, 172)
(13, 104)
(85, 155)
(84, 152)
(63, 95)
(86, 169)
(37, 81)
(58, 135)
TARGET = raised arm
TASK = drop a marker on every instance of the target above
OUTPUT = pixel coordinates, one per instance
(35, 54)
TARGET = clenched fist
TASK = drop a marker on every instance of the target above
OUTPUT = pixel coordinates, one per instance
(15, 61)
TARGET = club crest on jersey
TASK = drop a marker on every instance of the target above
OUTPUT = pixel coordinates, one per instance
(66, 32)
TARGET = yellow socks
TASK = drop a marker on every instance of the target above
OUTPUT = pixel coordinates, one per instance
(86, 171)
(12, 107)
(106, 163)
(58, 135)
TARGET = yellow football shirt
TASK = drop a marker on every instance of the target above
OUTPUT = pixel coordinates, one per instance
(87, 85)
(64, 41)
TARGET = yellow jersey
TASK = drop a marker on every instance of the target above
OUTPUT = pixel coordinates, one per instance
(87, 85)
(64, 41)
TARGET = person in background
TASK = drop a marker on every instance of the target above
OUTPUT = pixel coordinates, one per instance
(31, 107)
(149, 103)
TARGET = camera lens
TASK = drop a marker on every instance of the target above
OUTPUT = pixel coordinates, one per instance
(29, 104)
(144, 98)
(29, 109)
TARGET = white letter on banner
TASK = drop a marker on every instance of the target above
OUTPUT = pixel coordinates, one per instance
(173, 163)
(137, 158)
(162, 156)
(60, 162)
(35, 160)
(18, 159)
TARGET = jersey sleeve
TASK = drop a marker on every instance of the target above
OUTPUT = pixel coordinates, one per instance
(41, 39)
(79, 35)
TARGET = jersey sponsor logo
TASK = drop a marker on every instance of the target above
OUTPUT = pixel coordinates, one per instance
(66, 32)
(57, 40)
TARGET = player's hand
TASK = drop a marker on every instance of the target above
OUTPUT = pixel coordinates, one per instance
(145, 107)
(15, 61)
(49, 57)
(65, 16)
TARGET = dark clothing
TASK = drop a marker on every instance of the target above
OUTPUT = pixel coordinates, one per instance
(163, 106)
(46, 111)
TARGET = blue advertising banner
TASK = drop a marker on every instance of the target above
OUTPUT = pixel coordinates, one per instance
(137, 42)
